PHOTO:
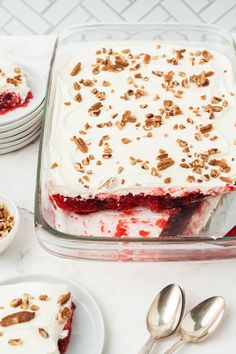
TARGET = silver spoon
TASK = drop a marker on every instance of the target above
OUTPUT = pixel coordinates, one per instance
(200, 322)
(164, 315)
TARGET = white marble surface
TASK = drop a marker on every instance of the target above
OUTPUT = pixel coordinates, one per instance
(123, 290)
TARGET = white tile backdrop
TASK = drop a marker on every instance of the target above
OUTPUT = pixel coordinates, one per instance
(50, 16)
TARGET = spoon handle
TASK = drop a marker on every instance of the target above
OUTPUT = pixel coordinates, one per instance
(147, 346)
(175, 346)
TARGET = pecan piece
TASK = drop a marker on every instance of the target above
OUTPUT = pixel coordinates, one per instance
(206, 128)
(95, 109)
(63, 315)
(15, 341)
(43, 333)
(81, 144)
(64, 298)
(16, 302)
(17, 317)
(146, 58)
(165, 163)
(76, 69)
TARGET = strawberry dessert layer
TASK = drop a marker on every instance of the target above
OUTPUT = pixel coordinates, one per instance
(129, 201)
(35, 318)
(14, 91)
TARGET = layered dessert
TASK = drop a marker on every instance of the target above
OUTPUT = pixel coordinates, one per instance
(35, 318)
(14, 90)
(148, 127)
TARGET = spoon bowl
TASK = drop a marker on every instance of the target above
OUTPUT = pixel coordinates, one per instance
(164, 315)
(203, 320)
(200, 322)
(166, 312)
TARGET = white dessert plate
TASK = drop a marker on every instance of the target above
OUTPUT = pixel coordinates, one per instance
(38, 89)
(19, 141)
(88, 330)
(16, 137)
(22, 128)
(19, 123)
(19, 145)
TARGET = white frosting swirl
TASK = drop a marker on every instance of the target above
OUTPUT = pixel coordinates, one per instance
(68, 120)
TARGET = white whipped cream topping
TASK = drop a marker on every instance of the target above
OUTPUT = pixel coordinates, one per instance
(28, 332)
(10, 70)
(68, 120)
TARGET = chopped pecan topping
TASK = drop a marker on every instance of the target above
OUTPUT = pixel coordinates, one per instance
(214, 173)
(81, 144)
(182, 143)
(43, 333)
(167, 180)
(120, 169)
(43, 297)
(95, 109)
(64, 298)
(15, 341)
(63, 315)
(87, 82)
(126, 140)
(34, 308)
(201, 80)
(224, 167)
(6, 221)
(76, 69)
(17, 317)
(165, 163)
(54, 165)
(106, 83)
(16, 302)
(190, 179)
(206, 128)
(154, 171)
(226, 179)
(76, 86)
(78, 97)
(139, 93)
(146, 58)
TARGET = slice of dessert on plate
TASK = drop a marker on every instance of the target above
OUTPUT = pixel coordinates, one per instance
(35, 318)
(14, 89)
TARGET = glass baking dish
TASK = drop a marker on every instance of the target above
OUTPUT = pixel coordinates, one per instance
(63, 235)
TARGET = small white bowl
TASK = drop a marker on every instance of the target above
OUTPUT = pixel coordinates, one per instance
(7, 240)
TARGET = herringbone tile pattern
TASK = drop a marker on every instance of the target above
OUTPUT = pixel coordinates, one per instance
(50, 16)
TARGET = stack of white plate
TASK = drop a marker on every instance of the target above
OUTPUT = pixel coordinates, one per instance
(21, 126)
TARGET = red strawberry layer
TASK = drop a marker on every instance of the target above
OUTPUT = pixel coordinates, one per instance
(129, 201)
(63, 343)
(10, 101)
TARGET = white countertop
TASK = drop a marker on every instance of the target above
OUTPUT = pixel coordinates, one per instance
(123, 290)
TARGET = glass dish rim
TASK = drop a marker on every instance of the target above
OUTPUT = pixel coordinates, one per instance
(40, 222)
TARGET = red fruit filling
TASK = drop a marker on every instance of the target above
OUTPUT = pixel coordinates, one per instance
(129, 201)
(232, 232)
(63, 343)
(10, 101)
(178, 221)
